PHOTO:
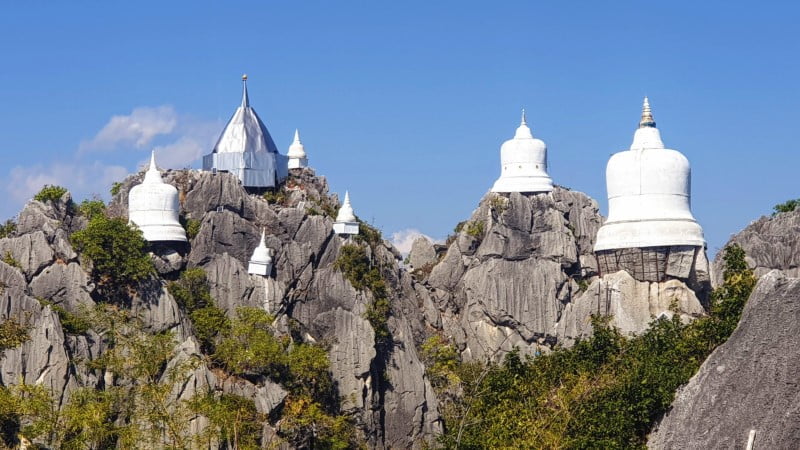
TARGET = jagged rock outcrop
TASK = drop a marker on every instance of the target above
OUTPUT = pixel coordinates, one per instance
(630, 303)
(769, 243)
(511, 269)
(422, 253)
(748, 383)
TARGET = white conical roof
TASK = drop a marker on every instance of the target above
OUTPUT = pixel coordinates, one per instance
(245, 132)
(296, 150)
(346, 213)
(262, 254)
(649, 195)
(153, 206)
(523, 163)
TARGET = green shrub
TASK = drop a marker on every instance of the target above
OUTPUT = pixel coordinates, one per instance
(192, 293)
(233, 419)
(475, 229)
(117, 251)
(275, 197)
(250, 348)
(9, 259)
(368, 234)
(12, 334)
(459, 226)
(788, 206)
(7, 228)
(192, 227)
(71, 323)
(115, 187)
(50, 193)
(92, 208)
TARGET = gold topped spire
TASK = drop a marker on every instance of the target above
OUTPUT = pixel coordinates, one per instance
(647, 115)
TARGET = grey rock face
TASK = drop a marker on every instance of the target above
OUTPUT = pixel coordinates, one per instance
(422, 253)
(748, 383)
(769, 243)
(632, 305)
(512, 268)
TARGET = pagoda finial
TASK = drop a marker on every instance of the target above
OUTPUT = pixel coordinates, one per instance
(296, 136)
(245, 98)
(263, 235)
(647, 115)
(152, 175)
(153, 160)
(524, 118)
(346, 198)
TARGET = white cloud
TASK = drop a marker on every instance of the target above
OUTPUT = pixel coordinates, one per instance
(82, 180)
(404, 239)
(138, 128)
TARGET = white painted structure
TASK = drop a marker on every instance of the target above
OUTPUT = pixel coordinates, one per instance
(297, 153)
(153, 207)
(246, 149)
(523, 162)
(649, 195)
(261, 261)
(346, 222)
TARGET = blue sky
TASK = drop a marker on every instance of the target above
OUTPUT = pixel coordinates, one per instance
(406, 103)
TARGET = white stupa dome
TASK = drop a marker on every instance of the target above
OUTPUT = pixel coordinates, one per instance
(346, 222)
(649, 195)
(153, 206)
(523, 162)
(297, 153)
(261, 261)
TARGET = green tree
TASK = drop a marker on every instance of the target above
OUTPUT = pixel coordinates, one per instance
(50, 193)
(117, 251)
(233, 419)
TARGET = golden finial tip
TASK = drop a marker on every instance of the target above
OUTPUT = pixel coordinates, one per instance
(244, 77)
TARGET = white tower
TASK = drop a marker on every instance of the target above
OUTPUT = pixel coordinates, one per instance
(649, 195)
(246, 149)
(297, 153)
(346, 222)
(261, 261)
(153, 207)
(523, 162)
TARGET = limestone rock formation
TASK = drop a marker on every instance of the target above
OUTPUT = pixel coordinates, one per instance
(769, 243)
(748, 383)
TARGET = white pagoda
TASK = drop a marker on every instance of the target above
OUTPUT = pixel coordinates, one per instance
(523, 162)
(153, 207)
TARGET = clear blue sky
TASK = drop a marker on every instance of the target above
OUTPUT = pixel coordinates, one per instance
(406, 103)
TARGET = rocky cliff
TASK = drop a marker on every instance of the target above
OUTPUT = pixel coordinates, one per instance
(382, 388)
(521, 272)
(747, 384)
(770, 243)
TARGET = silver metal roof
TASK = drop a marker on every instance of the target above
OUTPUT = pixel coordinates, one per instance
(245, 132)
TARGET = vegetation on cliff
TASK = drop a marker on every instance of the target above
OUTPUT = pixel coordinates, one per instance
(606, 391)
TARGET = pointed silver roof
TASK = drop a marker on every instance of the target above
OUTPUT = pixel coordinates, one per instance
(245, 132)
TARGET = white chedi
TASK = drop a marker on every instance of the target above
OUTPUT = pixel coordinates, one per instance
(261, 261)
(523, 162)
(153, 207)
(297, 153)
(649, 195)
(346, 222)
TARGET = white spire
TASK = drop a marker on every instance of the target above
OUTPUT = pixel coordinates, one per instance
(245, 98)
(346, 213)
(647, 115)
(261, 261)
(647, 135)
(523, 131)
(152, 175)
(297, 153)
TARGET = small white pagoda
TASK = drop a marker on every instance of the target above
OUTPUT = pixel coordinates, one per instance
(346, 222)
(153, 207)
(261, 261)
(523, 162)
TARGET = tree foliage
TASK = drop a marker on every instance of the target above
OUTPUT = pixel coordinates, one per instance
(604, 392)
(787, 206)
(117, 251)
(7, 228)
(50, 193)
(362, 274)
(92, 208)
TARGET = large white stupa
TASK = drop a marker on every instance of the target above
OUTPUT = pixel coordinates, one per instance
(297, 153)
(261, 261)
(246, 149)
(649, 195)
(523, 162)
(346, 222)
(153, 206)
